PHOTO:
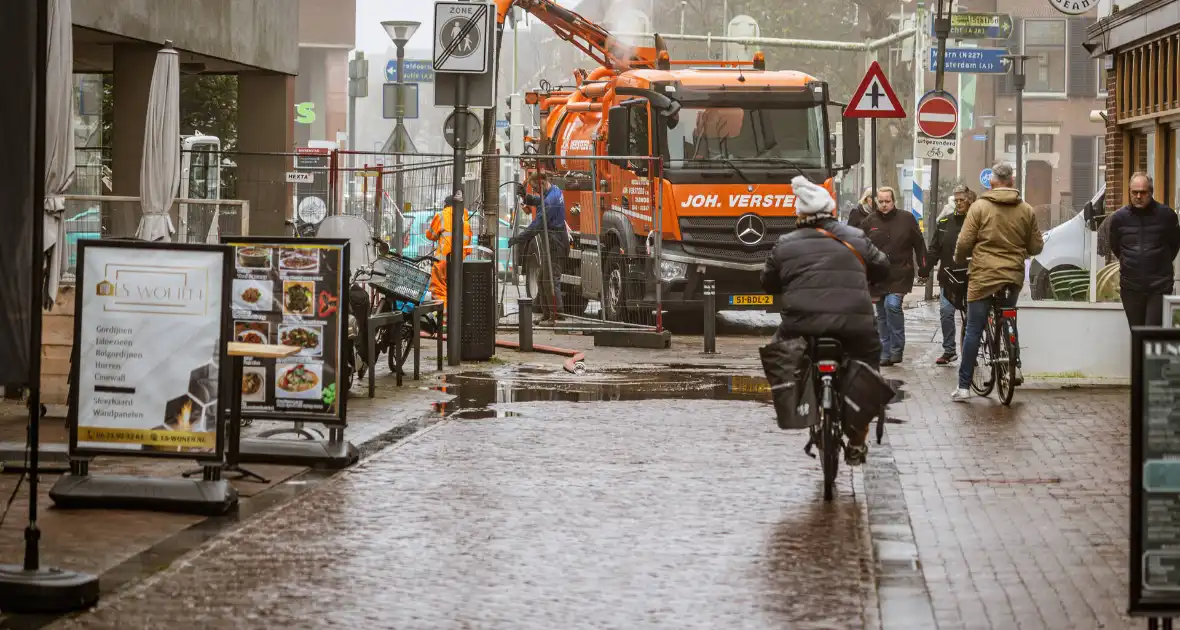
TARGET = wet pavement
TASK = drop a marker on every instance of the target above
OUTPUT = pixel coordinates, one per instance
(691, 511)
(656, 491)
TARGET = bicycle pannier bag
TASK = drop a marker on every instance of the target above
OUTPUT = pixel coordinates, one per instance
(788, 367)
(866, 393)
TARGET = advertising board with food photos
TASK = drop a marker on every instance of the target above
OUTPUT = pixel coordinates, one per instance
(150, 325)
(288, 292)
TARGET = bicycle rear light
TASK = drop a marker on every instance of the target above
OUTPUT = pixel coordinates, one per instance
(826, 367)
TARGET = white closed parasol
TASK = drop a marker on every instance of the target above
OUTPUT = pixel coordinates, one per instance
(159, 174)
(59, 138)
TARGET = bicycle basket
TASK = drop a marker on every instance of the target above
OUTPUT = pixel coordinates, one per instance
(400, 279)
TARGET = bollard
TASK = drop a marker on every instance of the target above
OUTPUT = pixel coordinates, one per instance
(710, 317)
(524, 316)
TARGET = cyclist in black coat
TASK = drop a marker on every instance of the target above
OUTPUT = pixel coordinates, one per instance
(1145, 238)
(822, 271)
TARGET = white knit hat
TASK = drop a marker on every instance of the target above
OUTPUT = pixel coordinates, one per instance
(811, 199)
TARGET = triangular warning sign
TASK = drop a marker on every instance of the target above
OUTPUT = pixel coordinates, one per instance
(874, 97)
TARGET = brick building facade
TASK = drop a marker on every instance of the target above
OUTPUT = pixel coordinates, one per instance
(1140, 46)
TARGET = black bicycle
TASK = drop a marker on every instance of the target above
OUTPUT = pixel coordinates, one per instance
(999, 352)
(998, 361)
(827, 434)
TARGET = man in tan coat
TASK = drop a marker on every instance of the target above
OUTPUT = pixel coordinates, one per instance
(998, 235)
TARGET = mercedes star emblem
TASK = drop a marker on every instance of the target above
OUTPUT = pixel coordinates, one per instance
(750, 229)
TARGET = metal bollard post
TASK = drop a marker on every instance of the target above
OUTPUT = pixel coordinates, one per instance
(524, 316)
(710, 317)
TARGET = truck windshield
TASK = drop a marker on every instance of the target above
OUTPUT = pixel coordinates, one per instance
(742, 133)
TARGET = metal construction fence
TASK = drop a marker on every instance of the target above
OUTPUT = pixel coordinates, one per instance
(101, 217)
(600, 271)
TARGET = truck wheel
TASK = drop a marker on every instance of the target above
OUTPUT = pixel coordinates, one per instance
(614, 285)
(532, 278)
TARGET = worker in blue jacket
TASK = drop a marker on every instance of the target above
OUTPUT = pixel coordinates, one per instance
(552, 246)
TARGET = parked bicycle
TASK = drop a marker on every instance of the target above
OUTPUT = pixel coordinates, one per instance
(402, 284)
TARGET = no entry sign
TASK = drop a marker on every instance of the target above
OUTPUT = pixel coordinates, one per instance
(937, 116)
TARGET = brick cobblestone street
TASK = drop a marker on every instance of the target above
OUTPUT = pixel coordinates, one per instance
(601, 501)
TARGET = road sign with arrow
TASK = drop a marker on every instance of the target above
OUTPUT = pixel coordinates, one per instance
(874, 98)
(979, 26)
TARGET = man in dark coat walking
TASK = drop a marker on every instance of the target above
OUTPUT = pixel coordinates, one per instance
(1145, 237)
(897, 235)
(821, 271)
(952, 288)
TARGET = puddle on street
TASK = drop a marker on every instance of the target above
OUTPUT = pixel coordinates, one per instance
(477, 392)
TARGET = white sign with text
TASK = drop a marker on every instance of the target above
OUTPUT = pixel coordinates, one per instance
(149, 345)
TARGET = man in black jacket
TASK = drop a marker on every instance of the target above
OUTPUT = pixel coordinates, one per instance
(897, 235)
(817, 271)
(952, 290)
(1145, 237)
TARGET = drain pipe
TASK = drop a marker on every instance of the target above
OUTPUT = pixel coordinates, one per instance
(575, 362)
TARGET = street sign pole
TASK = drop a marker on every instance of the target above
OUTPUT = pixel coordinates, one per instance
(874, 98)
(398, 149)
(464, 32)
(942, 28)
(455, 266)
(873, 157)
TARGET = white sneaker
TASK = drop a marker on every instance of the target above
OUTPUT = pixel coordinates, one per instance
(961, 395)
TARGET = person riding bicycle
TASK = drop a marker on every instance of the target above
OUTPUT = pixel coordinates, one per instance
(440, 232)
(822, 271)
(999, 234)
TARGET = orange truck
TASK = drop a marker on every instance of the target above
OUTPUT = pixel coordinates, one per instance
(703, 150)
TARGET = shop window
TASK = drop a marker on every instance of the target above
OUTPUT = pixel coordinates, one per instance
(1045, 143)
(1101, 77)
(1045, 44)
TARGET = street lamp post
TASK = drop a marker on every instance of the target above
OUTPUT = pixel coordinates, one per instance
(1018, 82)
(400, 32)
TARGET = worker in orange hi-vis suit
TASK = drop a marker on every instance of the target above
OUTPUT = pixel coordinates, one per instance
(440, 232)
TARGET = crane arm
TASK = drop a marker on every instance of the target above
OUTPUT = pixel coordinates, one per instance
(587, 36)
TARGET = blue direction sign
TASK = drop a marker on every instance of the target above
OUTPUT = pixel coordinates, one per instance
(985, 178)
(417, 71)
(501, 123)
(972, 60)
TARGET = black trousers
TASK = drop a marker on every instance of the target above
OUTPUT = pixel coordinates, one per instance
(1143, 309)
(552, 262)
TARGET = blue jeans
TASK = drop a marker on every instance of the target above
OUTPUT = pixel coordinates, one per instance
(891, 325)
(977, 313)
(946, 314)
